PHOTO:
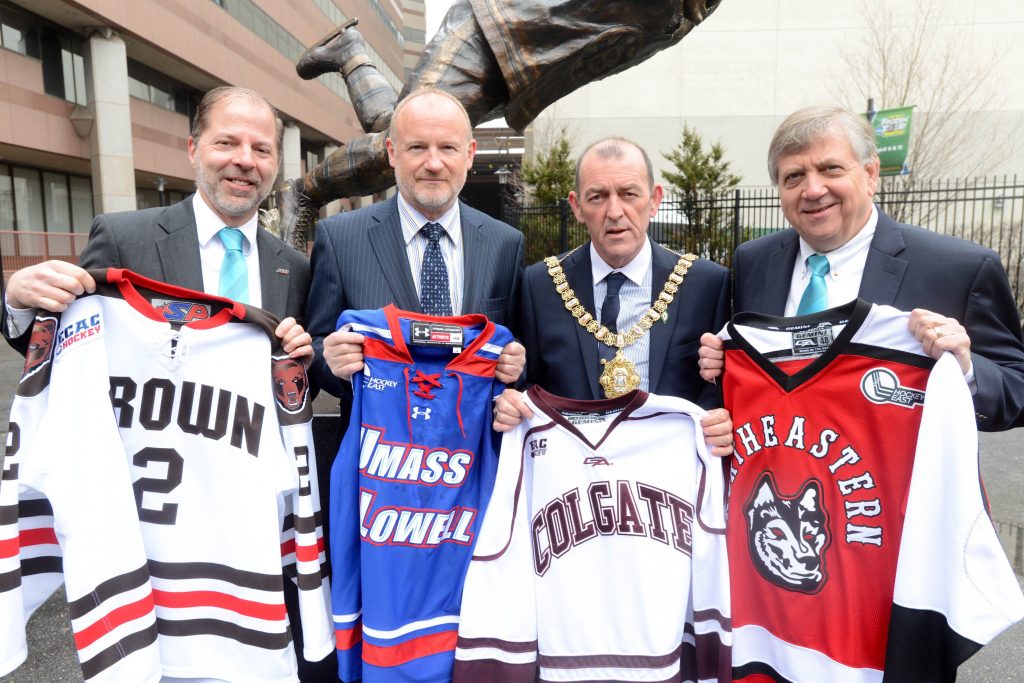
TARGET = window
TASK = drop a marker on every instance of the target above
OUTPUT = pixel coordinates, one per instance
(19, 30)
(44, 201)
(81, 203)
(157, 88)
(28, 200)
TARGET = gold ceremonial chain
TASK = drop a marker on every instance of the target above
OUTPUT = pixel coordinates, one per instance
(619, 376)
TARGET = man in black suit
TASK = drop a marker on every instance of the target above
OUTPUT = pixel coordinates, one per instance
(616, 197)
(825, 164)
(373, 257)
(234, 148)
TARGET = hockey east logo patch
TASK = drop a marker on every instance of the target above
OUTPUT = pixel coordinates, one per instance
(880, 385)
(80, 331)
(788, 535)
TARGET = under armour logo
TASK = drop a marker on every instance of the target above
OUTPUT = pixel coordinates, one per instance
(421, 332)
(417, 412)
(595, 460)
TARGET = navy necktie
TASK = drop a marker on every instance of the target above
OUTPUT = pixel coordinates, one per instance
(610, 310)
(815, 297)
(435, 297)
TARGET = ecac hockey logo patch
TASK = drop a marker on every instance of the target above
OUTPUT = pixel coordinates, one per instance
(82, 330)
(880, 385)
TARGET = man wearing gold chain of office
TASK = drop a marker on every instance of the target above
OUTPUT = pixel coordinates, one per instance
(620, 312)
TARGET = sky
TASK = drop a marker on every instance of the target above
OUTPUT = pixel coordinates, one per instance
(435, 12)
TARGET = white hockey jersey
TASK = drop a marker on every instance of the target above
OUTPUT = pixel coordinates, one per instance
(602, 553)
(160, 448)
(860, 547)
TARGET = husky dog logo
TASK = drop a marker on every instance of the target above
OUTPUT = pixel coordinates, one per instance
(788, 535)
(290, 384)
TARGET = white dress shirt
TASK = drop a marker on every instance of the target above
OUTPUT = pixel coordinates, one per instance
(211, 250)
(634, 301)
(451, 249)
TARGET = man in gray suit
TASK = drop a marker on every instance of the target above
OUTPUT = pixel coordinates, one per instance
(394, 251)
(235, 151)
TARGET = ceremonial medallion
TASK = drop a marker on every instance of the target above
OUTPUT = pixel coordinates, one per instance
(619, 376)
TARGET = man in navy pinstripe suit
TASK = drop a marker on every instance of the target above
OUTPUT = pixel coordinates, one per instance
(372, 257)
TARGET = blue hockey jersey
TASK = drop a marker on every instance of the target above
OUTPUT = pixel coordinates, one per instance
(409, 488)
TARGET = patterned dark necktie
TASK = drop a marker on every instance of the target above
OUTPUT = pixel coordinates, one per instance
(610, 310)
(234, 275)
(815, 297)
(435, 297)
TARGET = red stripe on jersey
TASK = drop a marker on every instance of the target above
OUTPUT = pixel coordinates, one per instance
(409, 650)
(375, 348)
(288, 547)
(41, 536)
(308, 553)
(348, 638)
(120, 616)
(249, 608)
(9, 548)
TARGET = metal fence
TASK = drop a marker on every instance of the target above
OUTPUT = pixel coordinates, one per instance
(988, 211)
(20, 248)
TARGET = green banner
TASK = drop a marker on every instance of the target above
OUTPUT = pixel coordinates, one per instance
(892, 136)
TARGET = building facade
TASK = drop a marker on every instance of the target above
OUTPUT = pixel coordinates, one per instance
(751, 63)
(97, 96)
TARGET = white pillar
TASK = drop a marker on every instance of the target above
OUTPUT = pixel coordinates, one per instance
(291, 152)
(110, 142)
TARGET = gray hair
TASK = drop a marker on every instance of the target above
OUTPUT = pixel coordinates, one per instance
(804, 127)
(225, 92)
(612, 148)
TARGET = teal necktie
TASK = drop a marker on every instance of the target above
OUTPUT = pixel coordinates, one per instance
(234, 275)
(815, 297)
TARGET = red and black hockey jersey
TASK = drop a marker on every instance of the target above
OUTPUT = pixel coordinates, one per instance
(860, 546)
(602, 555)
(160, 463)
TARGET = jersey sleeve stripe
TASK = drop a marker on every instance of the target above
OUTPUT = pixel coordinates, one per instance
(218, 572)
(48, 564)
(117, 617)
(110, 588)
(42, 536)
(411, 627)
(224, 629)
(105, 659)
(498, 644)
(9, 548)
(249, 608)
(415, 648)
(347, 638)
(9, 580)
(610, 660)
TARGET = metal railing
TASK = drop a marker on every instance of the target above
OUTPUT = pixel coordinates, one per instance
(20, 248)
(988, 211)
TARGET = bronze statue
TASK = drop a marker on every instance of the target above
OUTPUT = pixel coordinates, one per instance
(499, 58)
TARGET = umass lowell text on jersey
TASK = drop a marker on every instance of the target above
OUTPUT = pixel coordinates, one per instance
(408, 488)
(860, 546)
(160, 454)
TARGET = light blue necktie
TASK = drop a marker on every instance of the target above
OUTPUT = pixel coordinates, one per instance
(815, 297)
(234, 275)
(435, 297)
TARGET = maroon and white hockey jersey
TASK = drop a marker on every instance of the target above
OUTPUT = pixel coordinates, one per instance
(160, 464)
(602, 553)
(859, 542)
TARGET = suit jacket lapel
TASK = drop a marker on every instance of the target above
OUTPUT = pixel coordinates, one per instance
(662, 263)
(883, 270)
(388, 245)
(475, 260)
(178, 250)
(778, 276)
(578, 271)
(274, 273)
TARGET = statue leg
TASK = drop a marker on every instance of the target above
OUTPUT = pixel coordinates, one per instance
(344, 51)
